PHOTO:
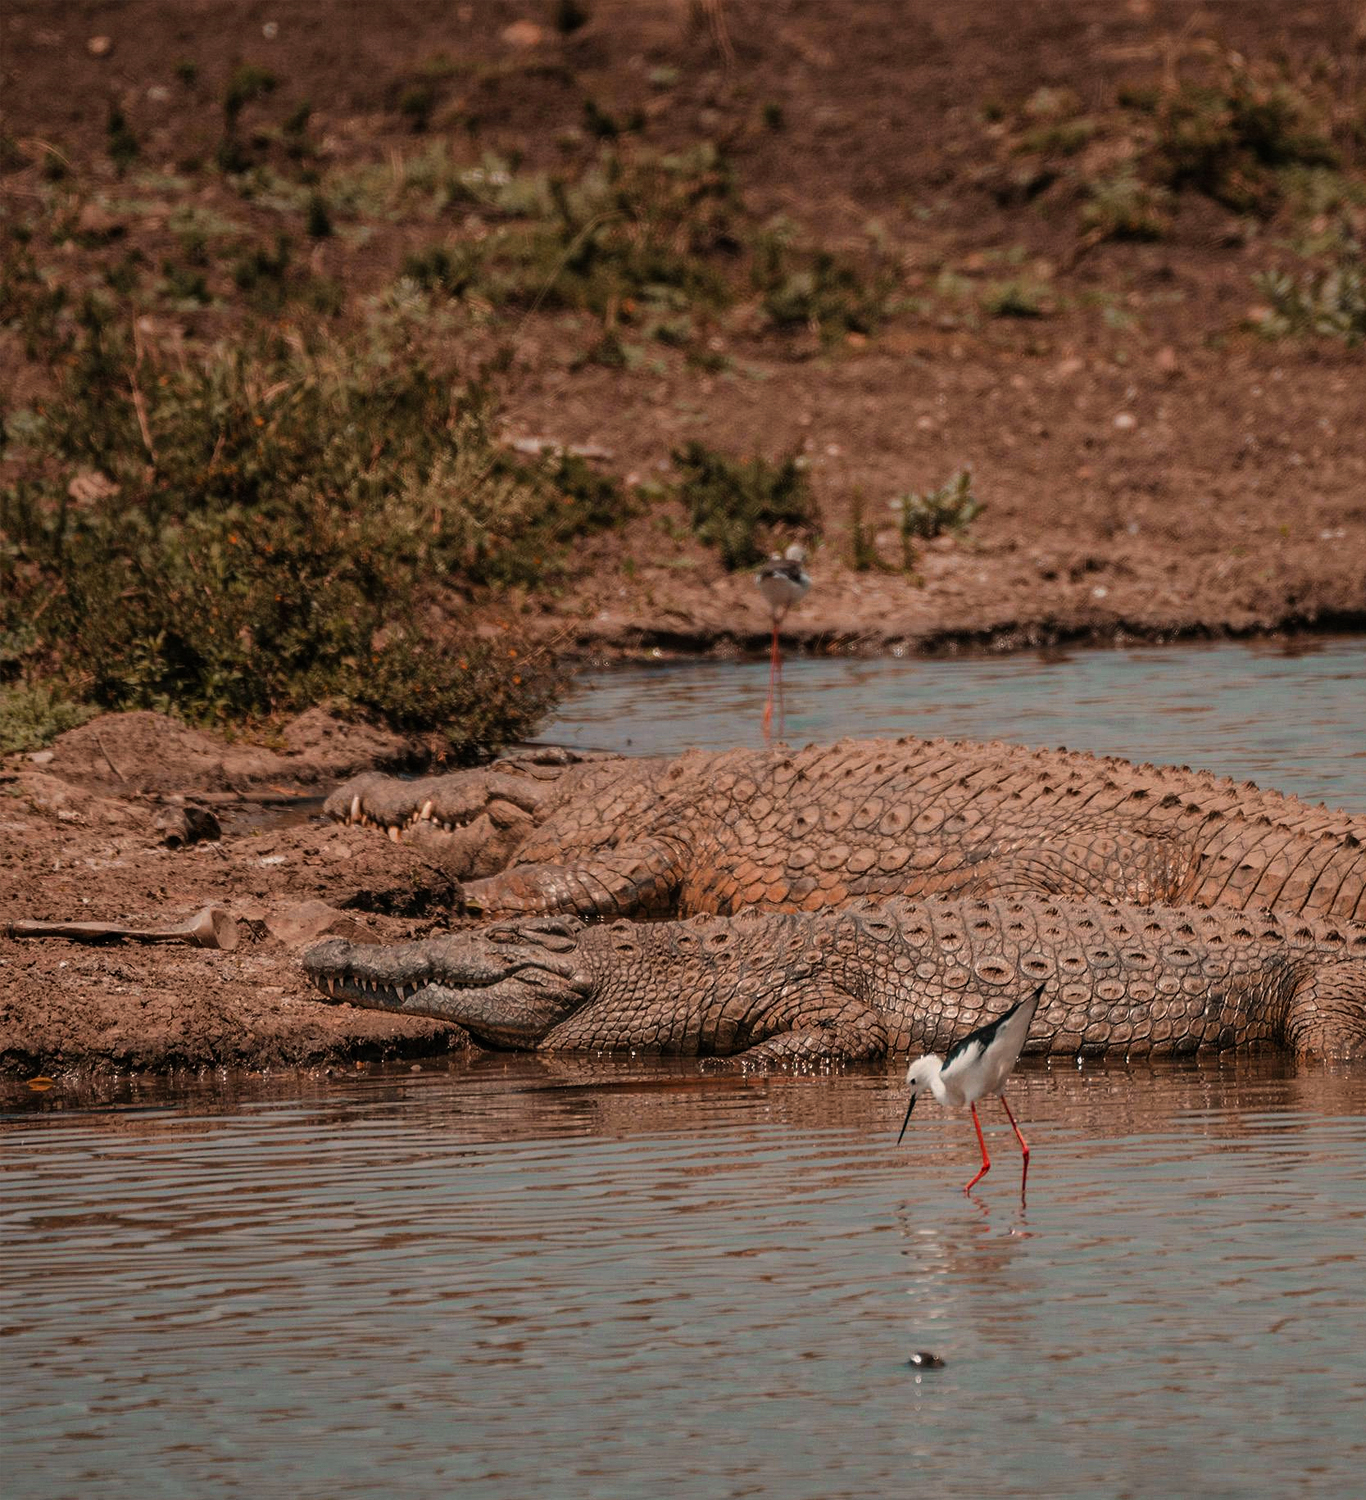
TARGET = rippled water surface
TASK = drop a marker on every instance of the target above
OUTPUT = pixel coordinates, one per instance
(627, 1281)
(579, 1279)
(1289, 715)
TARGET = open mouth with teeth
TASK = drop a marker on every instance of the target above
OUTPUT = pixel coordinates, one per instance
(356, 816)
(503, 991)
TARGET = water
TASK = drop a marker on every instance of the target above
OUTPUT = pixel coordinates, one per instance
(617, 1280)
(1289, 715)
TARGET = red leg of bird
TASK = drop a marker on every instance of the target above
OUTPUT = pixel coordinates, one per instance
(782, 700)
(772, 683)
(1024, 1144)
(986, 1160)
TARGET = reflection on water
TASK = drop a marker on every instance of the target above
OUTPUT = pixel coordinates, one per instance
(1290, 715)
(611, 1280)
(629, 1280)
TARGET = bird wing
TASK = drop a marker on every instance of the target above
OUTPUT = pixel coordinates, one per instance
(983, 1037)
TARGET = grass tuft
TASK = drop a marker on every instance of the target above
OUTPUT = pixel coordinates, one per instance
(733, 502)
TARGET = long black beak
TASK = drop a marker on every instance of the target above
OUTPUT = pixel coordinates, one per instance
(907, 1120)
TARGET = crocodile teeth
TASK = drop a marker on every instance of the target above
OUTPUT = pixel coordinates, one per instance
(394, 832)
(355, 809)
(426, 811)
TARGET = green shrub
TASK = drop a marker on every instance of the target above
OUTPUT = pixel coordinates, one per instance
(731, 501)
(1226, 141)
(285, 525)
(449, 269)
(635, 228)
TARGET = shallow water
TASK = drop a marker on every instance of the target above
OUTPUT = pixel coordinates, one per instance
(628, 1280)
(631, 1281)
(1289, 715)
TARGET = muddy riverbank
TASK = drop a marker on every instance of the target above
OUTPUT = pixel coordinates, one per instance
(89, 834)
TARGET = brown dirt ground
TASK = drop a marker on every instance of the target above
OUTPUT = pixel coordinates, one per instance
(1150, 466)
(78, 843)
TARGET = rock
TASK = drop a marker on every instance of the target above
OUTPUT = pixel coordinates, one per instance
(97, 223)
(181, 826)
(316, 919)
(523, 34)
(90, 485)
(100, 46)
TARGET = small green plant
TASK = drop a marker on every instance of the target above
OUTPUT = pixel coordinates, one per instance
(265, 273)
(863, 553)
(317, 219)
(952, 507)
(816, 290)
(1330, 303)
(247, 84)
(417, 102)
(33, 716)
(186, 284)
(295, 132)
(732, 501)
(440, 268)
(598, 123)
(1059, 137)
(571, 16)
(1124, 207)
(122, 143)
(636, 228)
(1020, 297)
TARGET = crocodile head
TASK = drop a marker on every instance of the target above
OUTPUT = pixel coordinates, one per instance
(469, 822)
(507, 985)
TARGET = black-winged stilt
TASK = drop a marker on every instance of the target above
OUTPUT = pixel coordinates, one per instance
(783, 581)
(977, 1065)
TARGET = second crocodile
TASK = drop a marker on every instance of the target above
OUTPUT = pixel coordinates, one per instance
(823, 826)
(869, 981)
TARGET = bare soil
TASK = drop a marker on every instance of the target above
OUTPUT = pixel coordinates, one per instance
(1151, 466)
(79, 842)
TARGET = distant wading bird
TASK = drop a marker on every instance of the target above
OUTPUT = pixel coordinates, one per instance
(979, 1064)
(783, 581)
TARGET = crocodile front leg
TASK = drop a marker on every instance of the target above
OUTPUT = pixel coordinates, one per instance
(753, 991)
(633, 880)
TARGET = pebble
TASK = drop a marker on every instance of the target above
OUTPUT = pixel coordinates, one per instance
(100, 46)
(523, 34)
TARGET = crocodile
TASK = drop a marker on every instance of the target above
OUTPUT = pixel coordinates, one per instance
(800, 830)
(876, 979)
